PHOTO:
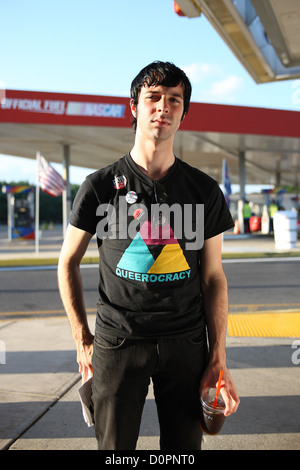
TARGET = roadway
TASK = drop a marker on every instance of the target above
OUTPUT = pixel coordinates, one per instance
(263, 285)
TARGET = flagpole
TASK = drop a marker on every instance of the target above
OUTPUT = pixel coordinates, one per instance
(50, 181)
(37, 205)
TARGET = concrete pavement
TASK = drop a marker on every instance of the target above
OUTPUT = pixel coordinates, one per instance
(39, 402)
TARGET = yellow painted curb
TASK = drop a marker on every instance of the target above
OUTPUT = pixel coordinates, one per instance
(279, 324)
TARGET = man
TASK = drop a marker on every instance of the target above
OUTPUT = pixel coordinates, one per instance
(273, 208)
(246, 214)
(158, 291)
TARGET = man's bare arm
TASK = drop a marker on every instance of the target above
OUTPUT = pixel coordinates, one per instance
(71, 291)
(215, 298)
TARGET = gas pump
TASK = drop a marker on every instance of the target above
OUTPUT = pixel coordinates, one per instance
(20, 217)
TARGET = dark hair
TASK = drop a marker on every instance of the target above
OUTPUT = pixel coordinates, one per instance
(160, 73)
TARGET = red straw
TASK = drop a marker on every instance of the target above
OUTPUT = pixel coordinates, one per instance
(218, 389)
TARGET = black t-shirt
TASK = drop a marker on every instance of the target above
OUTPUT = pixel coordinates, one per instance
(149, 278)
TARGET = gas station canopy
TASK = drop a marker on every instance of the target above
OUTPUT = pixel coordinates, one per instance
(263, 34)
(261, 146)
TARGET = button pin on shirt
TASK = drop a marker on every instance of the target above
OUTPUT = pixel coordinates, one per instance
(119, 182)
(131, 197)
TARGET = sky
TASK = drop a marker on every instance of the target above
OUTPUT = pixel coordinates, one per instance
(98, 47)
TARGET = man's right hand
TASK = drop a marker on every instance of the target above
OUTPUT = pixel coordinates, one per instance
(84, 356)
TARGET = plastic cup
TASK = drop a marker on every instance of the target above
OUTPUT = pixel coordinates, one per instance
(212, 416)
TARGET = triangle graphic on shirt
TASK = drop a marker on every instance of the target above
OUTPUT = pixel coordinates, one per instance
(166, 249)
(170, 260)
(137, 256)
(157, 235)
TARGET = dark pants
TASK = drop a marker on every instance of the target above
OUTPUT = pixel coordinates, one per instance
(122, 371)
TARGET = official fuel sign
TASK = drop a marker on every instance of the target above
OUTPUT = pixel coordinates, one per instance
(58, 108)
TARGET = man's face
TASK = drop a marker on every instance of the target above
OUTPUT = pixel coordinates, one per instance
(159, 111)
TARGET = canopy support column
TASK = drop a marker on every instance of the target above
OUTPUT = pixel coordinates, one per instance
(242, 178)
(278, 171)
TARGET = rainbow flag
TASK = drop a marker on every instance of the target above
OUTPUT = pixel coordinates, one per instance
(7, 189)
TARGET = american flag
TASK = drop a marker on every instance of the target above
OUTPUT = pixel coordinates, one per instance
(50, 180)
